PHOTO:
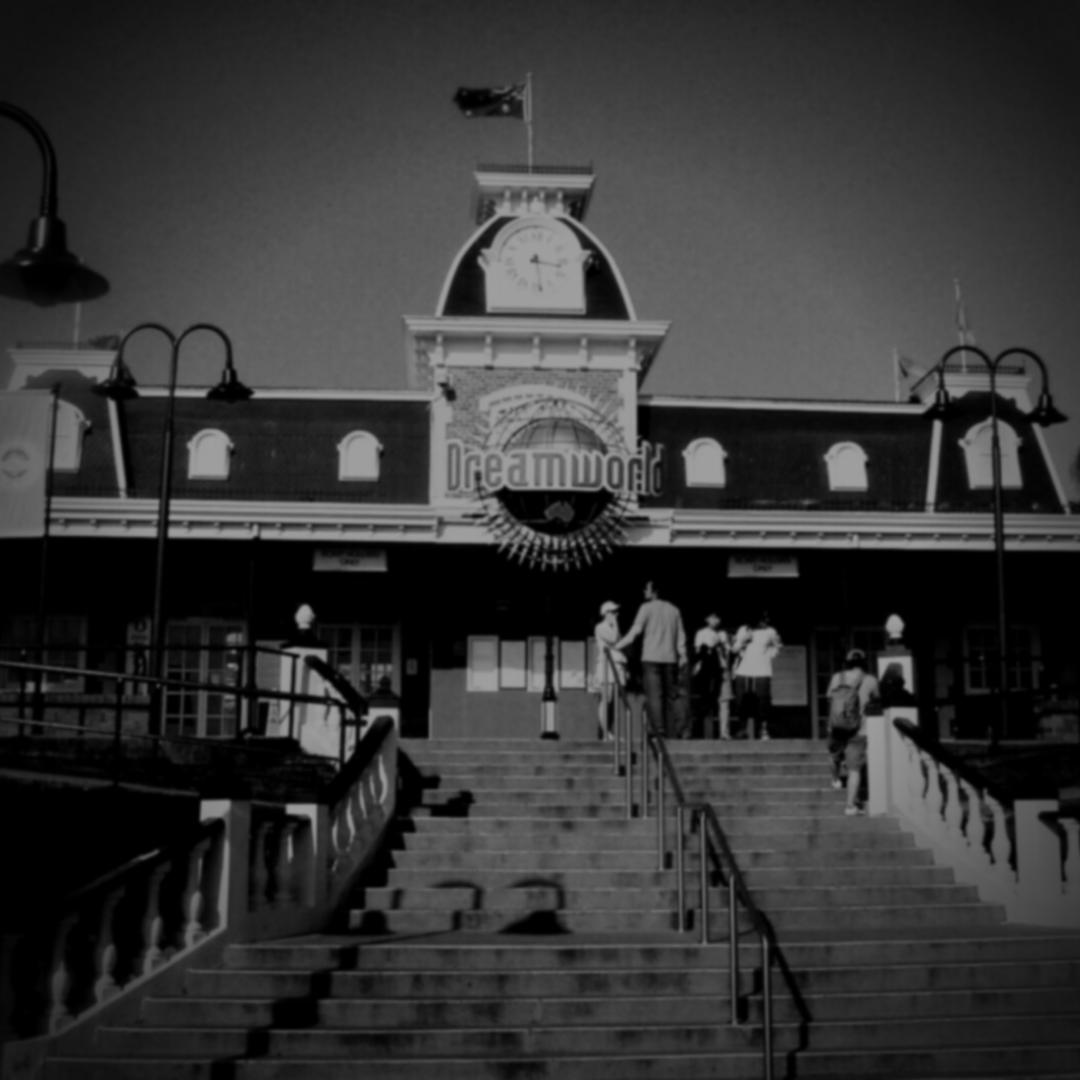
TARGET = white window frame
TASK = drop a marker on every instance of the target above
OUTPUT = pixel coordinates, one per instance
(979, 676)
(846, 462)
(706, 464)
(359, 455)
(977, 446)
(209, 455)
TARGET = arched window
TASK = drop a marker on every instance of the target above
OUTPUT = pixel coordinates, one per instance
(209, 453)
(705, 464)
(358, 456)
(977, 447)
(71, 426)
(846, 463)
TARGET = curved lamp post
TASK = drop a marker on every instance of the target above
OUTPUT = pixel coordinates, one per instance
(45, 272)
(1044, 414)
(121, 386)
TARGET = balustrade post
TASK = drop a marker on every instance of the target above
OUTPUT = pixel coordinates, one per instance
(193, 899)
(703, 845)
(660, 812)
(153, 924)
(975, 831)
(286, 869)
(261, 881)
(1000, 844)
(733, 947)
(313, 849)
(60, 975)
(954, 812)
(234, 862)
(105, 952)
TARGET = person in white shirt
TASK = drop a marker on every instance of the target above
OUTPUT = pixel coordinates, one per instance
(610, 666)
(757, 648)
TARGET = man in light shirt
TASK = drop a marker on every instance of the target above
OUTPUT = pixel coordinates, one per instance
(663, 653)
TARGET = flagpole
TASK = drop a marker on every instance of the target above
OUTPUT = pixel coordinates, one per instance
(528, 116)
(961, 323)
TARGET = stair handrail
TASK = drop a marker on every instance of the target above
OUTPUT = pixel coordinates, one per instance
(719, 851)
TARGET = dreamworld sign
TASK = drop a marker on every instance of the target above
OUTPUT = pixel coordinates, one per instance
(553, 468)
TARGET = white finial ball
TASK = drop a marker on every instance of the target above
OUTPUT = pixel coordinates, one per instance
(894, 627)
(304, 616)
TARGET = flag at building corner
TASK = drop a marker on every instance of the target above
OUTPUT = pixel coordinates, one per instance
(25, 420)
(493, 101)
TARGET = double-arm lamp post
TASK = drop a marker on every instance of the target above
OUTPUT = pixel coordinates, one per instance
(45, 272)
(121, 386)
(1044, 414)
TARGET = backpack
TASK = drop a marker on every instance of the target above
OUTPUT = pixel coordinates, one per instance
(845, 709)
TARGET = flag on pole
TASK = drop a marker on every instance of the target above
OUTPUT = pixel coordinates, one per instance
(496, 101)
(906, 371)
(25, 420)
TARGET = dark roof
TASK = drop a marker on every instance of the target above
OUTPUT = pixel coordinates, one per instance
(776, 457)
(603, 295)
(284, 449)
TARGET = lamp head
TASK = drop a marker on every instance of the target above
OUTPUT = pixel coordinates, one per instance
(943, 407)
(230, 389)
(120, 385)
(45, 272)
(1045, 414)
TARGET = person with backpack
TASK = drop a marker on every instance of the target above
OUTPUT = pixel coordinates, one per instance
(852, 693)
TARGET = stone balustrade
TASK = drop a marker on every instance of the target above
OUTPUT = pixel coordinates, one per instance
(1021, 853)
(250, 872)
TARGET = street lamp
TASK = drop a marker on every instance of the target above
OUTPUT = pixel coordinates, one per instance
(121, 386)
(45, 272)
(1044, 414)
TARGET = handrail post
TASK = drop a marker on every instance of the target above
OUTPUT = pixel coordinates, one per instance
(680, 871)
(660, 811)
(733, 948)
(704, 872)
(644, 764)
(766, 990)
(628, 753)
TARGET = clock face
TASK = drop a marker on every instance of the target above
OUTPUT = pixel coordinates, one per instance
(535, 266)
(536, 261)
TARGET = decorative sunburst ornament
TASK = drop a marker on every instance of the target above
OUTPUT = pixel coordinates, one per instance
(555, 517)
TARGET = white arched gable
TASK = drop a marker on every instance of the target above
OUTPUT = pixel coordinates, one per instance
(977, 445)
(705, 464)
(440, 307)
(209, 454)
(358, 456)
(71, 426)
(846, 463)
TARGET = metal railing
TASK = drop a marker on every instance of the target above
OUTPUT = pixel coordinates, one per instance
(30, 701)
(714, 852)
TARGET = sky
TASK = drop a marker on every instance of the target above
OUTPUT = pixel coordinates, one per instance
(795, 184)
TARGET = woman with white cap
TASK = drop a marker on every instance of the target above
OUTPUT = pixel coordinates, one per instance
(610, 666)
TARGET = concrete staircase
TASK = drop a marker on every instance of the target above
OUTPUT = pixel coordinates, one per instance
(520, 927)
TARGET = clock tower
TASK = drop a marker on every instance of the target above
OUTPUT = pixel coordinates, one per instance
(534, 358)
